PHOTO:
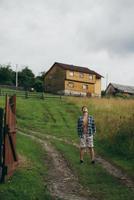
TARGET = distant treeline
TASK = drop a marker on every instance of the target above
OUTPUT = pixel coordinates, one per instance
(26, 78)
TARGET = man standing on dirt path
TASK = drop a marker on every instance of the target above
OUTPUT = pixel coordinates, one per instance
(86, 130)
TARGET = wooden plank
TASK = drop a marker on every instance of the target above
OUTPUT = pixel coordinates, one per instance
(1, 142)
(10, 155)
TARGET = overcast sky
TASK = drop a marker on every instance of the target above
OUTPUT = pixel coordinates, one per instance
(98, 34)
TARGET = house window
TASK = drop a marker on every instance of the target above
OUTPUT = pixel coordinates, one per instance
(90, 77)
(81, 75)
(71, 73)
(70, 84)
(85, 87)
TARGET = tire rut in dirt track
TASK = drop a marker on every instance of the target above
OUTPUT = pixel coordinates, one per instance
(62, 183)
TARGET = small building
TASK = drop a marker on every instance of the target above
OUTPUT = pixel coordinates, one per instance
(67, 79)
(113, 89)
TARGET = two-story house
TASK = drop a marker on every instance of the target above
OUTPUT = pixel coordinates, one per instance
(72, 80)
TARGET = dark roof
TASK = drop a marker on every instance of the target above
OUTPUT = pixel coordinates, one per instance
(123, 88)
(77, 68)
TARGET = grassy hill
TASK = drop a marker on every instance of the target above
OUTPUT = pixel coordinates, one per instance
(114, 138)
(114, 121)
(28, 182)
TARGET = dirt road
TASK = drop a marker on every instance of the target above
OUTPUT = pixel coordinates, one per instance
(62, 183)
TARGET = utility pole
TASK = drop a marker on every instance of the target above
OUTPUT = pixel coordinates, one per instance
(16, 76)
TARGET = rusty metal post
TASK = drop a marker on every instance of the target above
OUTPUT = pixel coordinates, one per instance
(1, 142)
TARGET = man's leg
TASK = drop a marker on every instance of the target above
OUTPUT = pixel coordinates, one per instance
(91, 151)
(82, 150)
(90, 148)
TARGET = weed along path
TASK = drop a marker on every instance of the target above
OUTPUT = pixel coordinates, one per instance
(62, 183)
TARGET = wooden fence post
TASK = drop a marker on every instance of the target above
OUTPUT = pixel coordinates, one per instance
(26, 94)
(42, 96)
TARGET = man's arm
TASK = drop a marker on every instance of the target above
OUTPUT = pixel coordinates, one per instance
(93, 126)
(79, 127)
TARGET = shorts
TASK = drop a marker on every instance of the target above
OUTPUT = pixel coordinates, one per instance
(86, 141)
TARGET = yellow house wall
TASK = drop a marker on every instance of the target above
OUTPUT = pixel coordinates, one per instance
(78, 86)
(77, 77)
(98, 87)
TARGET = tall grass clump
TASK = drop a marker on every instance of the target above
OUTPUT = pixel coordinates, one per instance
(124, 138)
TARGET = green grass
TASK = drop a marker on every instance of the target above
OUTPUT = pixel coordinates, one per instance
(48, 116)
(124, 162)
(28, 182)
(102, 185)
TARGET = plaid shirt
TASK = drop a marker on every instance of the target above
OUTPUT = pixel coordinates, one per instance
(91, 129)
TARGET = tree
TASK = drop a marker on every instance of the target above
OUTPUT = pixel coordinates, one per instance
(38, 86)
(103, 93)
(39, 82)
(26, 78)
(41, 77)
(14, 77)
(6, 75)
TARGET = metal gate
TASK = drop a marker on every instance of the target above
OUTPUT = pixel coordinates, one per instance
(8, 156)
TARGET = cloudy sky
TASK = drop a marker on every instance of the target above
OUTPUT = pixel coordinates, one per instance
(98, 34)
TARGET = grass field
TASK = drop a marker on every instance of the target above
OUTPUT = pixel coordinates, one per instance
(114, 121)
(114, 138)
(28, 182)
